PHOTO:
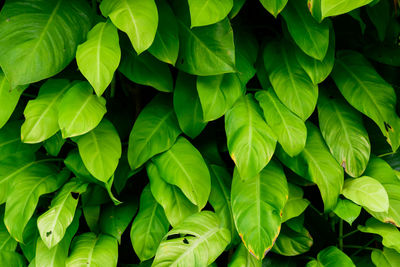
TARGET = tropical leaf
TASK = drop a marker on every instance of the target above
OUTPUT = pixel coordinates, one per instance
(388, 257)
(246, 51)
(365, 90)
(98, 57)
(347, 210)
(289, 129)
(389, 233)
(42, 38)
(80, 111)
(137, 18)
(242, 257)
(295, 204)
(291, 242)
(100, 150)
(198, 240)
(331, 256)
(257, 206)
(251, 142)
(148, 227)
(54, 144)
(274, 6)
(182, 165)
(321, 9)
(204, 13)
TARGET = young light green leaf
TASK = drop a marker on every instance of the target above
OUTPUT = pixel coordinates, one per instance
(143, 68)
(389, 233)
(316, 164)
(242, 257)
(54, 144)
(339, 121)
(148, 227)
(257, 206)
(365, 90)
(251, 142)
(155, 130)
(53, 223)
(187, 105)
(166, 42)
(208, 50)
(295, 204)
(312, 37)
(378, 169)
(41, 40)
(321, 9)
(347, 210)
(198, 240)
(388, 257)
(41, 114)
(74, 163)
(91, 250)
(137, 18)
(176, 206)
(217, 94)
(290, 82)
(182, 165)
(220, 198)
(291, 242)
(115, 219)
(100, 150)
(204, 13)
(274, 6)
(331, 256)
(33, 180)
(98, 57)
(289, 129)
(318, 70)
(80, 111)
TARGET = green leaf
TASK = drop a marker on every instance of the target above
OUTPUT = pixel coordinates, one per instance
(39, 38)
(318, 70)
(217, 94)
(149, 226)
(80, 111)
(53, 223)
(389, 233)
(115, 219)
(54, 144)
(100, 150)
(11, 259)
(332, 257)
(246, 51)
(31, 235)
(291, 242)
(176, 206)
(257, 206)
(237, 6)
(365, 90)
(347, 210)
(251, 142)
(41, 114)
(98, 57)
(339, 121)
(197, 241)
(8, 98)
(74, 163)
(274, 6)
(182, 165)
(316, 164)
(57, 255)
(91, 250)
(290, 82)
(137, 18)
(207, 50)
(290, 129)
(143, 68)
(242, 257)
(204, 13)
(295, 204)
(388, 257)
(187, 105)
(312, 37)
(155, 130)
(321, 9)
(7, 243)
(380, 15)
(166, 42)
(29, 183)
(220, 198)
(367, 192)
(379, 170)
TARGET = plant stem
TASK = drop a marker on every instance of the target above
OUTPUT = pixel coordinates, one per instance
(364, 247)
(349, 234)
(316, 210)
(341, 234)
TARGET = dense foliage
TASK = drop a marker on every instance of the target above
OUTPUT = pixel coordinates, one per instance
(196, 133)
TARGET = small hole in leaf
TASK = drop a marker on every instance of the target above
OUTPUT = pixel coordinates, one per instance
(388, 127)
(185, 241)
(74, 195)
(48, 233)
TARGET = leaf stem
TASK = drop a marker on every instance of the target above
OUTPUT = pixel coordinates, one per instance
(349, 234)
(361, 248)
(386, 154)
(316, 210)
